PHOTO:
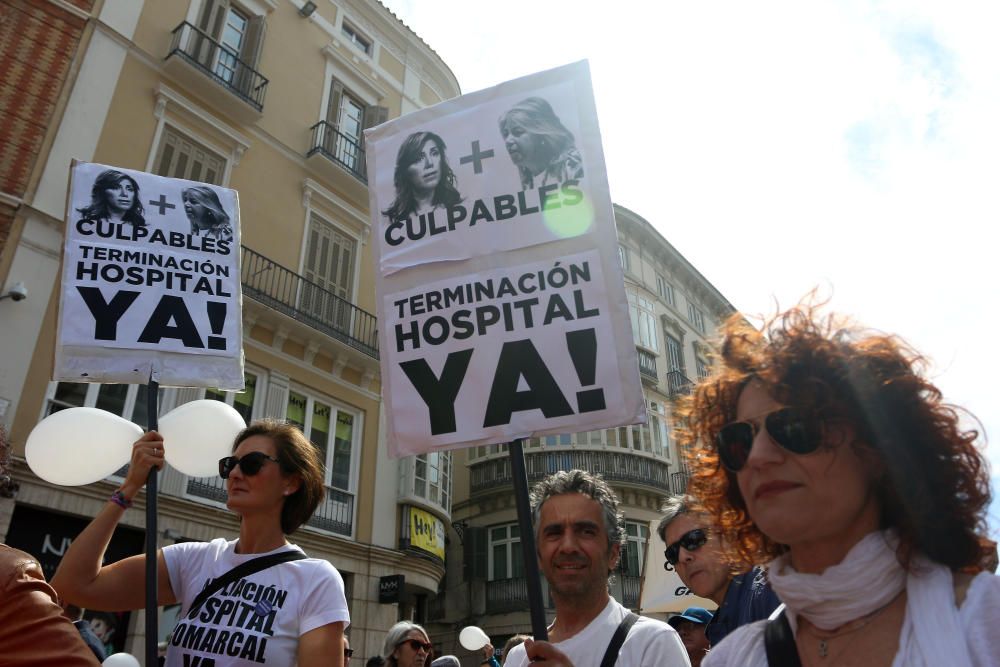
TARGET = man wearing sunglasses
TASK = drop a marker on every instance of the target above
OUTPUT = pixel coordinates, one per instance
(579, 533)
(693, 552)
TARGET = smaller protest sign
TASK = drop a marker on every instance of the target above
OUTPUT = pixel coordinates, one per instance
(151, 281)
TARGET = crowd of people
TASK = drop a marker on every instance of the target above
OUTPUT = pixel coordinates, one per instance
(834, 517)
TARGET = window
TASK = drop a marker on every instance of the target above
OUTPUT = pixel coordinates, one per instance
(432, 478)
(506, 559)
(665, 290)
(232, 47)
(636, 537)
(660, 429)
(701, 367)
(233, 38)
(329, 268)
(180, 157)
(675, 354)
(643, 321)
(242, 401)
(362, 43)
(331, 430)
(346, 114)
(624, 259)
(696, 317)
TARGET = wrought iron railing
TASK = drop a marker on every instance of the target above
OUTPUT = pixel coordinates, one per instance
(678, 384)
(613, 466)
(220, 63)
(631, 586)
(287, 292)
(506, 595)
(339, 147)
(647, 363)
(679, 482)
(335, 514)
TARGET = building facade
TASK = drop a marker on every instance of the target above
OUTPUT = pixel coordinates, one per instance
(270, 98)
(674, 311)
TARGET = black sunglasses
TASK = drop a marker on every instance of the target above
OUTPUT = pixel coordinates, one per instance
(691, 540)
(416, 645)
(794, 431)
(250, 464)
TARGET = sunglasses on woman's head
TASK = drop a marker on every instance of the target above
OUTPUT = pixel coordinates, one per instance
(250, 464)
(416, 645)
(792, 429)
(691, 540)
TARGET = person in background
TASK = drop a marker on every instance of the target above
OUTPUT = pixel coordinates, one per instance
(446, 661)
(822, 449)
(75, 614)
(579, 533)
(33, 628)
(348, 651)
(406, 645)
(489, 656)
(375, 661)
(690, 625)
(693, 550)
(516, 640)
(539, 145)
(205, 213)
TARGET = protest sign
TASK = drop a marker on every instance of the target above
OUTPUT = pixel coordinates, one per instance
(501, 303)
(151, 281)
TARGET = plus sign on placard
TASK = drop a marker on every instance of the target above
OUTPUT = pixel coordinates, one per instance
(477, 157)
(161, 204)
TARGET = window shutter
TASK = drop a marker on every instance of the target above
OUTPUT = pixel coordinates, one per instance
(254, 41)
(375, 115)
(475, 557)
(333, 108)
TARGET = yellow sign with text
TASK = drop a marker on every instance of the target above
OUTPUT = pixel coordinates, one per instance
(426, 532)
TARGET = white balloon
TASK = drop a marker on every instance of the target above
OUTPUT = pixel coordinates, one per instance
(473, 638)
(120, 660)
(80, 446)
(197, 434)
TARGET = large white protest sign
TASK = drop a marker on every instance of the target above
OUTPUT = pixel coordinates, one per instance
(151, 281)
(502, 311)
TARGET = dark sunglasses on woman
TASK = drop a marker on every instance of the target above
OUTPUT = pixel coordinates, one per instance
(250, 464)
(691, 540)
(417, 645)
(792, 429)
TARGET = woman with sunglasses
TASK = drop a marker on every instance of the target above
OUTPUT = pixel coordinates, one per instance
(291, 612)
(821, 449)
(407, 645)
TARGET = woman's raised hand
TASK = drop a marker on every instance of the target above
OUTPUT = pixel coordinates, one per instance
(147, 453)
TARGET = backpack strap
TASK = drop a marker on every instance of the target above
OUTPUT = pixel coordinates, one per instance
(611, 655)
(240, 571)
(779, 641)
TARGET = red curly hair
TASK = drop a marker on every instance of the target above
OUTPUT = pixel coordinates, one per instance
(935, 482)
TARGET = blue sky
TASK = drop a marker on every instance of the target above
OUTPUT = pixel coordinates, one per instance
(787, 145)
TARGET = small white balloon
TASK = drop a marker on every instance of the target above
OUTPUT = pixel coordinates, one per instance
(80, 446)
(120, 660)
(197, 434)
(473, 638)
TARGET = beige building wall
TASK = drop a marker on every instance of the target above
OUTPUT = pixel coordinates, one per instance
(136, 88)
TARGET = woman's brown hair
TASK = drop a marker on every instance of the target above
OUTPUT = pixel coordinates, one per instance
(296, 456)
(934, 482)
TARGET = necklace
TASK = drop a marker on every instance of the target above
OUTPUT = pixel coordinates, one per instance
(853, 626)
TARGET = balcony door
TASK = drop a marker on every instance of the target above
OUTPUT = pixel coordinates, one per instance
(674, 354)
(329, 270)
(229, 43)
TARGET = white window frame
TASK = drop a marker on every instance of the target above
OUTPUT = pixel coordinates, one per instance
(510, 543)
(660, 428)
(172, 128)
(330, 208)
(357, 38)
(624, 258)
(642, 316)
(446, 471)
(259, 396)
(357, 429)
(665, 290)
(696, 317)
(637, 543)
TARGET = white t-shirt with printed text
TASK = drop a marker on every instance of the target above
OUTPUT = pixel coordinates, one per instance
(256, 620)
(650, 643)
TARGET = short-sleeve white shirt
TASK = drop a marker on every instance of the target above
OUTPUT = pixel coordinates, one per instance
(650, 643)
(256, 620)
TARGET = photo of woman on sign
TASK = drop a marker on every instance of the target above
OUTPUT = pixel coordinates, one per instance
(424, 181)
(204, 211)
(115, 197)
(539, 145)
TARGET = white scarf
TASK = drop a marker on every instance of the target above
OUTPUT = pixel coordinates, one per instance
(869, 578)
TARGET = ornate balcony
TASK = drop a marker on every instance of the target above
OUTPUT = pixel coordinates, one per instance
(287, 292)
(647, 365)
(338, 147)
(678, 384)
(334, 515)
(216, 72)
(614, 466)
(503, 595)
(631, 586)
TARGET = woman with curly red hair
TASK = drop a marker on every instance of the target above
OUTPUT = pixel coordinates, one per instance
(822, 449)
